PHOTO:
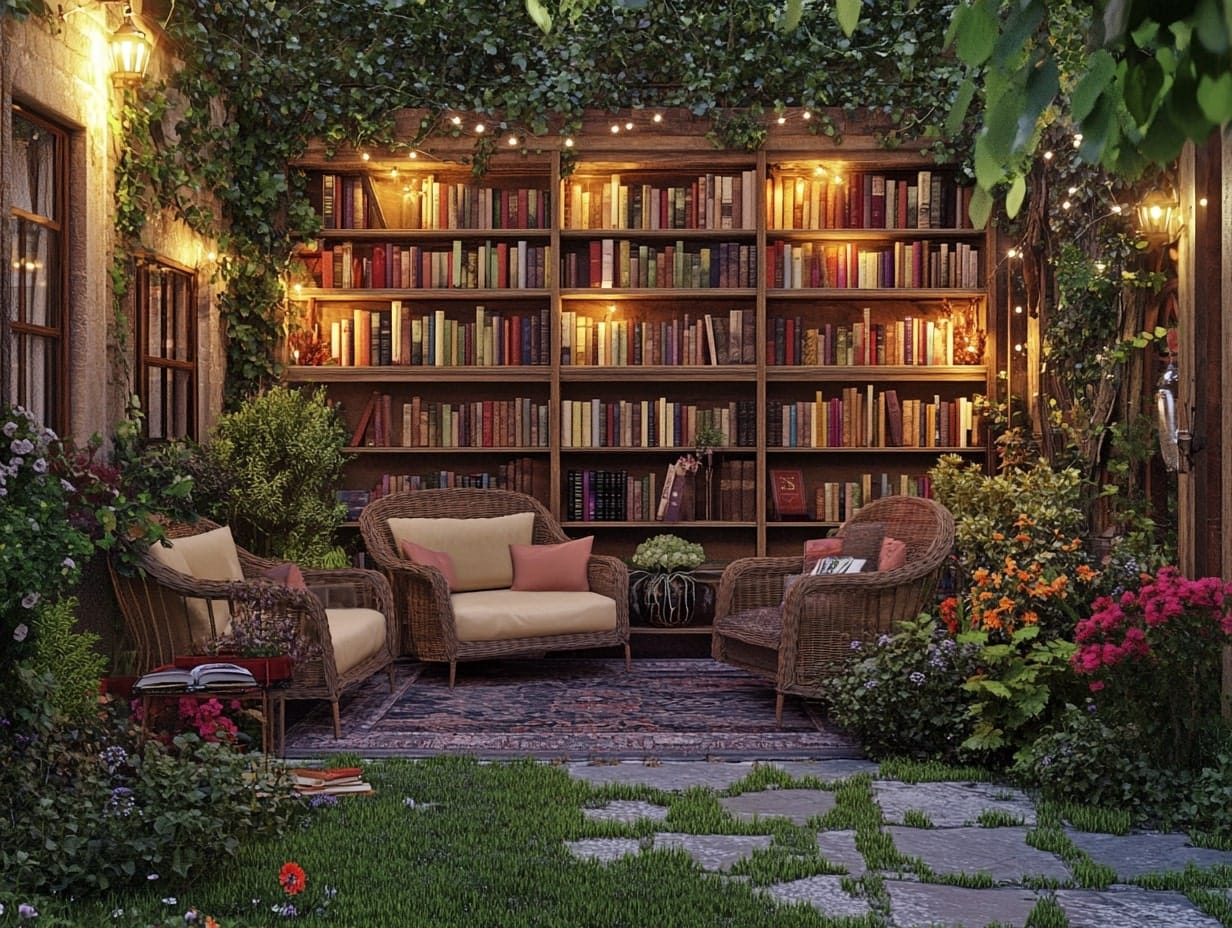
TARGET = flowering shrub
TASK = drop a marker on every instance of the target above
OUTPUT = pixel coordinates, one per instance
(902, 694)
(260, 628)
(664, 553)
(1154, 654)
(40, 548)
(1027, 588)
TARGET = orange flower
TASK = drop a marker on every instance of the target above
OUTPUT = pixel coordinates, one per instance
(292, 878)
(1086, 573)
(997, 536)
(1030, 618)
(211, 923)
(1022, 537)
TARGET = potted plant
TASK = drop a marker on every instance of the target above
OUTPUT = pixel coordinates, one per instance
(662, 588)
(265, 640)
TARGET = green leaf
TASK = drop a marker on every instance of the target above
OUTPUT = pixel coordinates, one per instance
(1215, 96)
(1100, 69)
(977, 33)
(981, 207)
(791, 15)
(539, 15)
(1017, 193)
(1143, 88)
(960, 106)
(847, 12)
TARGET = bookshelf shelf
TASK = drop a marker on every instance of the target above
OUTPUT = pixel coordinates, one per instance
(734, 220)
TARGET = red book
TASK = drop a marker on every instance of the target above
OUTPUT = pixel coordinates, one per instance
(379, 280)
(788, 489)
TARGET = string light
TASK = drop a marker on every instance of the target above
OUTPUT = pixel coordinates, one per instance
(1202, 201)
(480, 128)
(364, 156)
(513, 140)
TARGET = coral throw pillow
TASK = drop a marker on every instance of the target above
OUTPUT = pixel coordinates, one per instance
(817, 548)
(559, 567)
(288, 574)
(893, 554)
(426, 557)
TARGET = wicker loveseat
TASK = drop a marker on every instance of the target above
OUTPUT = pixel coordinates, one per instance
(186, 595)
(797, 637)
(485, 615)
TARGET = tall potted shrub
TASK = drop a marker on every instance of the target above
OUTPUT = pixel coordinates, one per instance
(273, 466)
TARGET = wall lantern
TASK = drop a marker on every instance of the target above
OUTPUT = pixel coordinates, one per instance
(130, 52)
(1159, 217)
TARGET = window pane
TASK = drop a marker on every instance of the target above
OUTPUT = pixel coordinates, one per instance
(166, 299)
(34, 274)
(34, 168)
(32, 380)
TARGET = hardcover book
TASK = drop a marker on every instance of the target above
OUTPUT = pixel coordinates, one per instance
(215, 676)
(788, 489)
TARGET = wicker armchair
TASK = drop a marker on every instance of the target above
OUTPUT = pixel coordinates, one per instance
(422, 596)
(163, 606)
(798, 640)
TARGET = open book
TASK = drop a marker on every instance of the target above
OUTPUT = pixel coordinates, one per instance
(219, 676)
(838, 565)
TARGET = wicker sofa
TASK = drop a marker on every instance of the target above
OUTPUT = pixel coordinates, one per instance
(186, 594)
(485, 615)
(797, 637)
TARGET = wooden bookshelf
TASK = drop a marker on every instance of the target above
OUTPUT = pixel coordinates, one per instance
(639, 293)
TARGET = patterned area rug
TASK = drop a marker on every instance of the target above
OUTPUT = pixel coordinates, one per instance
(572, 709)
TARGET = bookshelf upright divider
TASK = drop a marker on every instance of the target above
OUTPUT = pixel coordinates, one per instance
(572, 334)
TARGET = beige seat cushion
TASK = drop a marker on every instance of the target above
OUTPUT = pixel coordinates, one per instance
(357, 634)
(210, 555)
(479, 547)
(495, 615)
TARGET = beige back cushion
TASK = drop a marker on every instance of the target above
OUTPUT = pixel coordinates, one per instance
(479, 547)
(208, 556)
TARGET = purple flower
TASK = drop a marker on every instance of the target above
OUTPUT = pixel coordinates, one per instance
(916, 677)
(26, 910)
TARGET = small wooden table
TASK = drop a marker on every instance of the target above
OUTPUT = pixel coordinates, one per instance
(261, 695)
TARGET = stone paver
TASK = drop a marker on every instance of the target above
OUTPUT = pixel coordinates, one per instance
(1138, 854)
(839, 847)
(798, 805)
(954, 845)
(1002, 853)
(928, 905)
(1131, 907)
(626, 810)
(949, 805)
(604, 850)
(824, 893)
(714, 852)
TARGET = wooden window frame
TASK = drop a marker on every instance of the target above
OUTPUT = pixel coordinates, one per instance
(173, 295)
(16, 329)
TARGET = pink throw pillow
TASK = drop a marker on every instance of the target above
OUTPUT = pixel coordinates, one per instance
(817, 548)
(426, 557)
(288, 575)
(559, 567)
(893, 554)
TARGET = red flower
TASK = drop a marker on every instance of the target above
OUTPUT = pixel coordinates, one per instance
(292, 878)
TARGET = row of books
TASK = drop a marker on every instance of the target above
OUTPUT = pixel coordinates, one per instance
(402, 336)
(349, 201)
(848, 265)
(865, 200)
(865, 418)
(608, 263)
(658, 423)
(713, 338)
(417, 423)
(707, 201)
(839, 500)
(458, 265)
(910, 341)
(523, 474)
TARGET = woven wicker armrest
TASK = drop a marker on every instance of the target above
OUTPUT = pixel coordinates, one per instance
(753, 582)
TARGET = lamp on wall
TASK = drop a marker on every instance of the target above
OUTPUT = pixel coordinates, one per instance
(130, 51)
(1159, 217)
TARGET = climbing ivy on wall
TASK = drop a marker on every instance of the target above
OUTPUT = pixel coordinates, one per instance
(259, 79)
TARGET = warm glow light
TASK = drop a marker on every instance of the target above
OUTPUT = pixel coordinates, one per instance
(1047, 156)
(1202, 201)
(513, 140)
(456, 120)
(1116, 208)
(480, 128)
(1012, 253)
(569, 142)
(130, 51)
(782, 120)
(1018, 310)
(1077, 139)
(657, 117)
(615, 129)
(1159, 216)
(629, 125)
(412, 155)
(806, 116)
(364, 156)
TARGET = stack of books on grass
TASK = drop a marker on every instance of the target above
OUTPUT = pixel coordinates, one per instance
(213, 677)
(330, 781)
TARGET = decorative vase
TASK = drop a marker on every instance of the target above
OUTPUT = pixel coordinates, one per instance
(666, 600)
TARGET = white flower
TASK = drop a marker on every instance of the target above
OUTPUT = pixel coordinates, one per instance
(68, 563)
(20, 632)
(21, 446)
(30, 600)
(40, 465)
(10, 429)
